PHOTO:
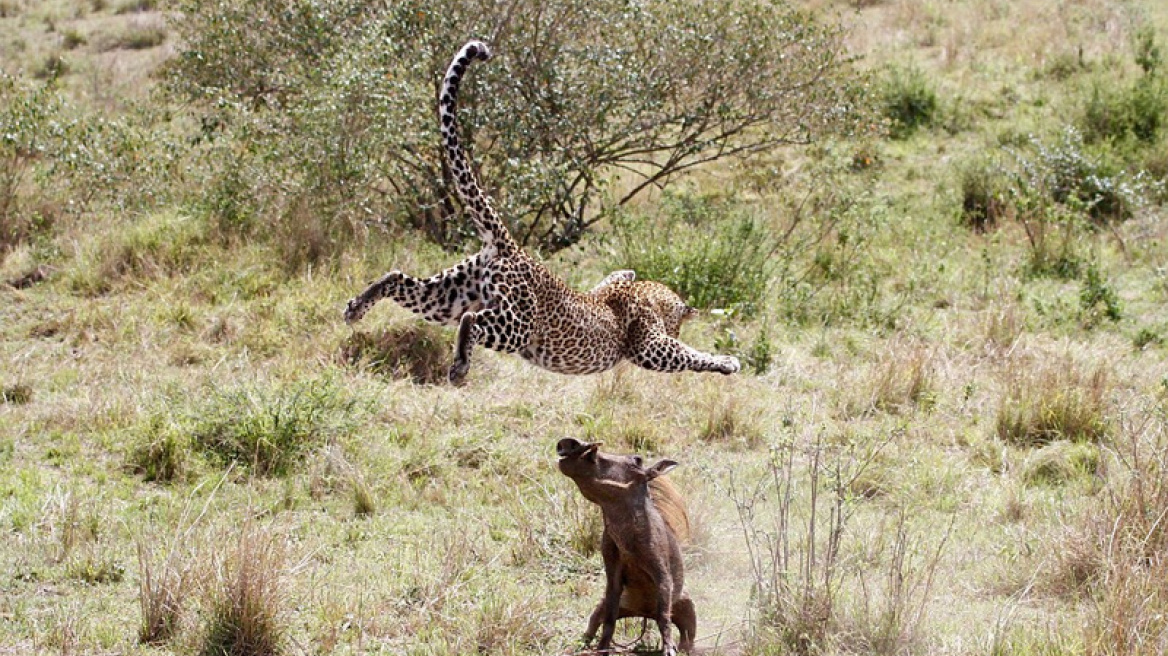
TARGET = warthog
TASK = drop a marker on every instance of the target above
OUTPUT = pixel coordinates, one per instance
(644, 519)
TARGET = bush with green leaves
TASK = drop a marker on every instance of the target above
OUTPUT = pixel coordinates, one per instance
(57, 160)
(29, 132)
(713, 251)
(985, 194)
(1097, 298)
(327, 106)
(1134, 113)
(908, 100)
(266, 430)
(1059, 188)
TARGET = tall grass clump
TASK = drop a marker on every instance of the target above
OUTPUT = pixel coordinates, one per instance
(727, 421)
(908, 100)
(904, 378)
(418, 351)
(16, 394)
(1127, 532)
(267, 430)
(155, 246)
(247, 598)
(1053, 402)
(134, 37)
(164, 583)
(711, 250)
(985, 194)
(1061, 462)
(163, 451)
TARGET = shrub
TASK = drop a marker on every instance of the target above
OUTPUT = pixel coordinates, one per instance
(1056, 188)
(1147, 50)
(1073, 176)
(16, 394)
(710, 250)
(54, 159)
(908, 100)
(760, 354)
(28, 117)
(581, 93)
(1097, 298)
(985, 194)
(413, 350)
(266, 430)
(1117, 114)
(798, 571)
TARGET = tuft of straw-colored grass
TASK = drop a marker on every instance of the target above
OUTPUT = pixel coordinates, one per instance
(245, 610)
(1054, 401)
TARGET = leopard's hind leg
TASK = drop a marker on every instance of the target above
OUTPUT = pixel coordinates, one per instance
(504, 327)
(441, 299)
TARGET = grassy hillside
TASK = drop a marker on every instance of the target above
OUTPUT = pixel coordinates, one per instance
(949, 437)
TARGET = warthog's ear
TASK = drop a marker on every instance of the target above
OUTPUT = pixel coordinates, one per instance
(661, 468)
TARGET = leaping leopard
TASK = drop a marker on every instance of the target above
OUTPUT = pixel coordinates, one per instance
(503, 299)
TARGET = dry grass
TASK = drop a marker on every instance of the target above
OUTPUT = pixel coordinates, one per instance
(163, 587)
(1129, 537)
(1053, 401)
(417, 351)
(246, 597)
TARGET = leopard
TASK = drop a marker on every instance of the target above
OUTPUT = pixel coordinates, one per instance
(503, 299)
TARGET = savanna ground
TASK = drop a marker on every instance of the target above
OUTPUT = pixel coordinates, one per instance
(948, 438)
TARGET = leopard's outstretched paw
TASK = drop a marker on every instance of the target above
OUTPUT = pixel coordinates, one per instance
(727, 364)
(354, 310)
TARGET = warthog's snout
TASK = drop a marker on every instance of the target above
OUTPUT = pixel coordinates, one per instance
(570, 447)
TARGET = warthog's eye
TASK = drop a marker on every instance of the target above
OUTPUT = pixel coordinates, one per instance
(638, 461)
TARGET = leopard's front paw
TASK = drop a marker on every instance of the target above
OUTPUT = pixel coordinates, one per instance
(355, 309)
(727, 364)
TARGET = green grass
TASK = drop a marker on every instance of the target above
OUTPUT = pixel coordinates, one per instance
(198, 456)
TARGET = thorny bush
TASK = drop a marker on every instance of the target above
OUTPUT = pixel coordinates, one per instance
(586, 105)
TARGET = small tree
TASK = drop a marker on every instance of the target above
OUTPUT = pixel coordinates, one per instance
(588, 103)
